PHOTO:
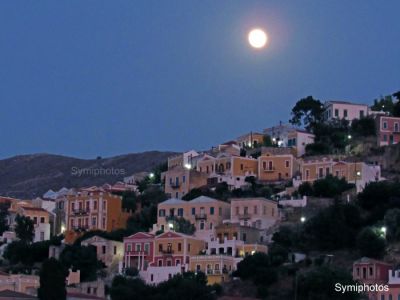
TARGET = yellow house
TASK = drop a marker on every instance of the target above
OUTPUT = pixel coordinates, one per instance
(216, 267)
(250, 140)
(276, 164)
(175, 249)
(204, 212)
(180, 180)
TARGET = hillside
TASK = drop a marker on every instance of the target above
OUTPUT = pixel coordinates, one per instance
(28, 176)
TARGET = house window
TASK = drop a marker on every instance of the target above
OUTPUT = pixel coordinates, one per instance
(188, 247)
(270, 166)
(361, 114)
(307, 174)
(115, 250)
(244, 237)
(211, 226)
(207, 169)
(138, 247)
(345, 113)
(180, 212)
(94, 205)
(384, 137)
(220, 211)
(385, 125)
(177, 262)
(152, 277)
(146, 247)
(241, 167)
(103, 249)
(336, 112)
(179, 247)
(255, 210)
(211, 210)
(371, 271)
(287, 164)
(35, 220)
(129, 248)
(160, 248)
(320, 172)
(396, 127)
(183, 178)
(264, 165)
(161, 213)
(94, 223)
(193, 211)
(202, 226)
(358, 271)
(160, 262)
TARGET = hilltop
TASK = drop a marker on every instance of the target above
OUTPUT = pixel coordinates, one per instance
(27, 176)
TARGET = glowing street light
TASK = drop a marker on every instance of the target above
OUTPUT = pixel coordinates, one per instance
(383, 230)
(188, 166)
(151, 175)
(170, 226)
(302, 219)
(349, 137)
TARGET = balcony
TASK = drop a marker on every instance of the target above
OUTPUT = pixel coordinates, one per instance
(269, 170)
(167, 252)
(137, 253)
(244, 216)
(201, 217)
(174, 185)
(80, 212)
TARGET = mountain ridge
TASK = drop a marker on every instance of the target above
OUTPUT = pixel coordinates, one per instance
(31, 175)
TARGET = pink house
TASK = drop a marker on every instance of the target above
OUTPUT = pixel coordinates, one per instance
(138, 250)
(388, 130)
(371, 271)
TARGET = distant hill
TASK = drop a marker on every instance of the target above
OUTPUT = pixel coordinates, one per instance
(28, 176)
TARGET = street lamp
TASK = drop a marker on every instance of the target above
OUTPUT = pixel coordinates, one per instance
(302, 219)
(349, 136)
(188, 166)
(170, 226)
(383, 230)
(151, 175)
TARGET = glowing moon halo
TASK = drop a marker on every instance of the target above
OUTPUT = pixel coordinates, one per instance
(257, 38)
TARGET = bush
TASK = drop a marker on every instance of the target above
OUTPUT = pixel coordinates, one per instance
(371, 243)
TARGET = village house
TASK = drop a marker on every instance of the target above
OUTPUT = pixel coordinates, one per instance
(337, 110)
(180, 180)
(108, 251)
(276, 164)
(216, 267)
(259, 213)
(204, 212)
(299, 139)
(251, 140)
(39, 216)
(388, 130)
(21, 283)
(359, 173)
(172, 252)
(93, 209)
(138, 250)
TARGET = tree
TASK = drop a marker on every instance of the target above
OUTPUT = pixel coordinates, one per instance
(363, 127)
(305, 189)
(332, 228)
(371, 243)
(52, 280)
(259, 269)
(330, 186)
(3, 217)
(392, 222)
(81, 258)
(182, 225)
(307, 112)
(396, 106)
(319, 283)
(24, 228)
(383, 104)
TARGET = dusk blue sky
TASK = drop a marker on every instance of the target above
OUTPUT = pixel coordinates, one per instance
(88, 78)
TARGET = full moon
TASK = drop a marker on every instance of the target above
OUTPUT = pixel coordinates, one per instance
(258, 38)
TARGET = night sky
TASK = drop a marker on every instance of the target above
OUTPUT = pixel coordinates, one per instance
(88, 78)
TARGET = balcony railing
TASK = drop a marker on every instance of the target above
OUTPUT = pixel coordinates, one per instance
(175, 185)
(244, 216)
(167, 252)
(201, 217)
(134, 252)
(80, 212)
(269, 170)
